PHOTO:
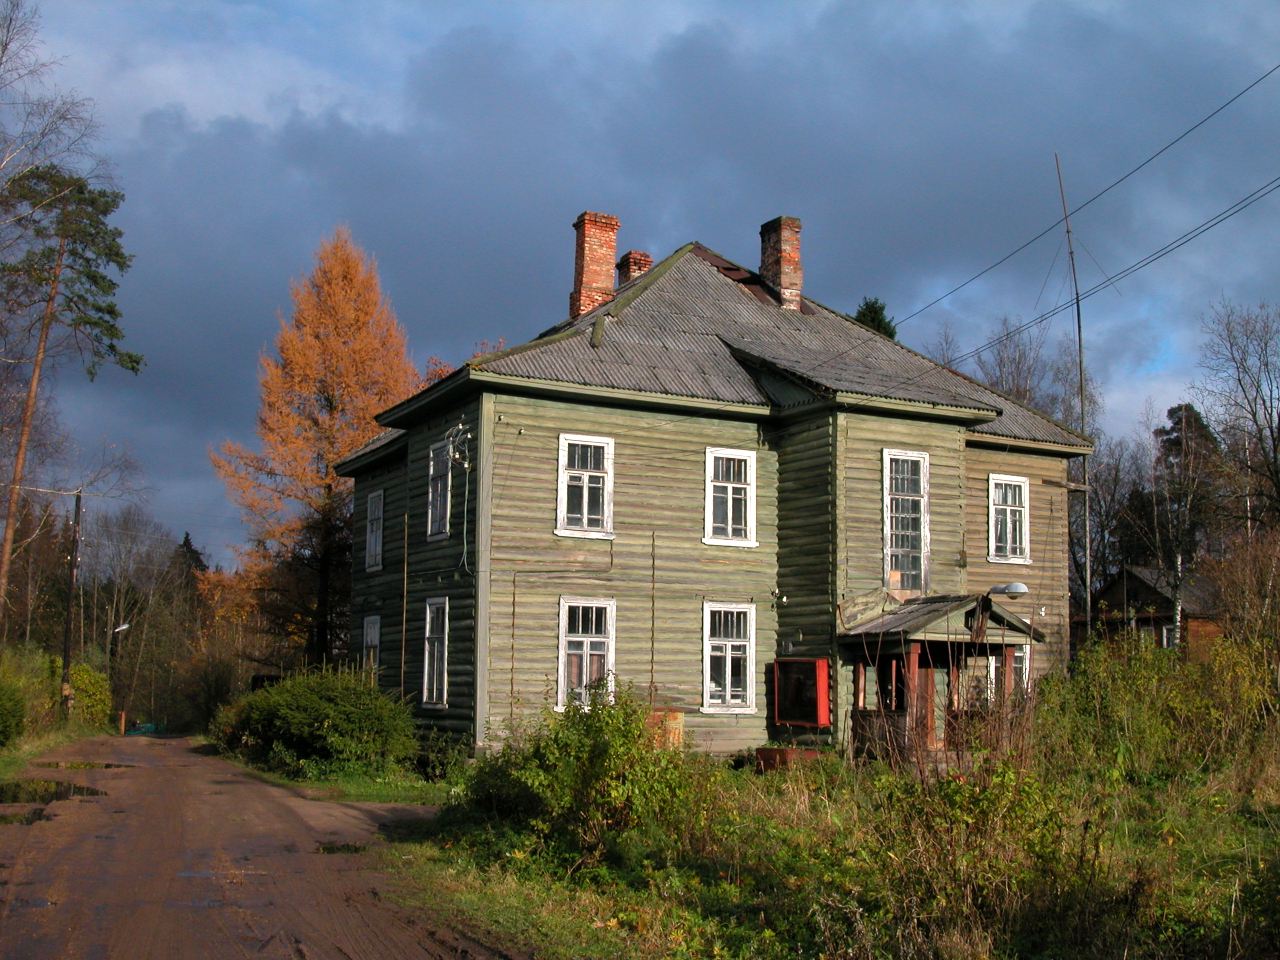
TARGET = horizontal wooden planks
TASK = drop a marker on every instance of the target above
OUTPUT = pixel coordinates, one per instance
(656, 569)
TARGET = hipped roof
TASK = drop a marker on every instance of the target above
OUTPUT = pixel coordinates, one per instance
(698, 327)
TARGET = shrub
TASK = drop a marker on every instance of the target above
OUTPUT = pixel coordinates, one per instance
(92, 693)
(585, 779)
(318, 725)
(13, 711)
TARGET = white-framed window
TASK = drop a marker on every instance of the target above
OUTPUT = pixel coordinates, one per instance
(730, 498)
(584, 493)
(372, 641)
(1008, 519)
(1021, 663)
(435, 659)
(728, 657)
(906, 520)
(438, 480)
(373, 531)
(586, 646)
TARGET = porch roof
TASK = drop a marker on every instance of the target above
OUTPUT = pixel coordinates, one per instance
(947, 617)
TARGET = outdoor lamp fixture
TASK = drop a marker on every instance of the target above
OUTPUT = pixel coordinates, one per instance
(121, 629)
(1013, 590)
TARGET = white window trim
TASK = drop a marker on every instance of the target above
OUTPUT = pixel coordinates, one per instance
(886, 456)
(750, 457)
(565, 603)
(373, 564)
(448, 489)
(707, 705)
(426, 660)
(992, 480)
(373, 621)
(562, 490)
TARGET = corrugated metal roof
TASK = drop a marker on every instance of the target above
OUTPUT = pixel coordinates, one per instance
(916, 616)
(674, 330)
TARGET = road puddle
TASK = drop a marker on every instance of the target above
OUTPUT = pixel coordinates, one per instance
(24, 817)
(44, 791)
(81, 765)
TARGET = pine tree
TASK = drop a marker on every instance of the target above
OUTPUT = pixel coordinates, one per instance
(339, 360)
(61, 279)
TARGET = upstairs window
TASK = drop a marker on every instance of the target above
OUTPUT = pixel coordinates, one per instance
(584, 499)
(730, 498)
(373, 532)
(586, 647)
(728, 658)
(438, 476)
(1007, 519)
(906, 520)
(436, 653)
(372, 641)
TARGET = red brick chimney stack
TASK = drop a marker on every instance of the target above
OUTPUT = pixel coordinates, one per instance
(780, 260)
(595, 250)
(632, 264)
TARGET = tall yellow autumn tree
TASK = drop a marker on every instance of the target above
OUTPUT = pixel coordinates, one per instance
(340, 359)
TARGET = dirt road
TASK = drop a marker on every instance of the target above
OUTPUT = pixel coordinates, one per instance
(186, 856)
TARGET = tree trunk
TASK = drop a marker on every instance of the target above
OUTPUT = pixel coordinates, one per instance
(24, 434)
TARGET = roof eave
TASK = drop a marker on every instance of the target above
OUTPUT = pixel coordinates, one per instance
(350, 465)
(616, 395)
(1034, 446)
(944, 411)
(404, 413)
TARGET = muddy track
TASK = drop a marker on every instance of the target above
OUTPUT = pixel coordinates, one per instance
(186, 856)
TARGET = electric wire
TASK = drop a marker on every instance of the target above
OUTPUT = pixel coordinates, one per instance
(1097, 196)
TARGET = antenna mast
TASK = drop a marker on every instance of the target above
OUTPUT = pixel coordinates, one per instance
(1075, 285)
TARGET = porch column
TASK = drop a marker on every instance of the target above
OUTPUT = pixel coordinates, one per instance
(912, 680)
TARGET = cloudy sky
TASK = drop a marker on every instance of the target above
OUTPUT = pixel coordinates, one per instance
(459, 141)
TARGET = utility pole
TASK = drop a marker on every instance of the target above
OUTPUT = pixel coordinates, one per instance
(68, 695)
(1084, 461)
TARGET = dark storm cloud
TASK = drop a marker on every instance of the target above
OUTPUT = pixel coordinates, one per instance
(916, 144)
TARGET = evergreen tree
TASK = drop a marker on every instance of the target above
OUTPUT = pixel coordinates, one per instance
(63, 281)
(871, 313)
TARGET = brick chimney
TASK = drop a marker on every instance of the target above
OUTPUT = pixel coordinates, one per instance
(632, 264)
(780, 260)
(594, 252)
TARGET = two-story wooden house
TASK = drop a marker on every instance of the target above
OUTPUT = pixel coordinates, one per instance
(709, 486)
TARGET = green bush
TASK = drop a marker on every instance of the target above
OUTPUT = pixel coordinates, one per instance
(13, 711)
(91, 689)
(584, 779)
(318, 725)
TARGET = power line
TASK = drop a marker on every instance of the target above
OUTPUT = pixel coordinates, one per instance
(1205, 226)
(1105, 190)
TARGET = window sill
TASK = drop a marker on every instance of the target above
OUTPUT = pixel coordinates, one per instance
(434, 706)
(721, 542)
(377, 568)
(741, 711)
(584, 534)
(437, 537)
(1024, 561)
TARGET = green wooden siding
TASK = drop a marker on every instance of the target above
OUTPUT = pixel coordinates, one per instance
(1046, 575)
(656, 569)
(438, 568)
(377, 592)
(806, 533)
(861, 440)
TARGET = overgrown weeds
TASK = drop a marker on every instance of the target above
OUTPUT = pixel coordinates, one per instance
(1132, 811)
